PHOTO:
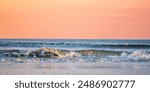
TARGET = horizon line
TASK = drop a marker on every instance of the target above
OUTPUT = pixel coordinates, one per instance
(76, 38)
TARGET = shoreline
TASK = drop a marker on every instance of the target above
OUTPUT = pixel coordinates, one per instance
(66, 68)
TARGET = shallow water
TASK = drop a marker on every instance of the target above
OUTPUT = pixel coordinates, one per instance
(102, 68)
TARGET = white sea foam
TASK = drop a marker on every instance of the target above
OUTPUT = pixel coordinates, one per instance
(72, 54)
(137, 56)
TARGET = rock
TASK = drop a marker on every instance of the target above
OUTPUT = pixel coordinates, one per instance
(46, 53)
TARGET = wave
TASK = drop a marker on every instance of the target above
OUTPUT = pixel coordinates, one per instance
(48, 52)
(73, 44)
(56, 55)
(135, 56)
(134, 46)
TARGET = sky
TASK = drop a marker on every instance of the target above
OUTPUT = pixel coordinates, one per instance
(75, 19)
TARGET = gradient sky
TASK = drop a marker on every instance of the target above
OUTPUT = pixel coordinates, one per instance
(92, 19)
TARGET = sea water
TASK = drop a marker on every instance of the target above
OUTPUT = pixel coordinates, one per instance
(80, 50)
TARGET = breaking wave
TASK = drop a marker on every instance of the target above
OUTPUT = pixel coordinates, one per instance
(56, 55)
(137, 56)
(40, 52)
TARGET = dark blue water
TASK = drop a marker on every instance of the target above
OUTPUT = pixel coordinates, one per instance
(130, 50)
(76, 44)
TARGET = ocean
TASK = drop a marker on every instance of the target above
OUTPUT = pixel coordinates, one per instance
(75, 50)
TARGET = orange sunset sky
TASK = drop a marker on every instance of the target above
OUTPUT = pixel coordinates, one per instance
(86, 19)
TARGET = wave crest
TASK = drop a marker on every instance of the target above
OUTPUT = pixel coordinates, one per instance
(136, 56)
(56, 55)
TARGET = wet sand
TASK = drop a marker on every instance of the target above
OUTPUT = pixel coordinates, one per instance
(103, 68)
